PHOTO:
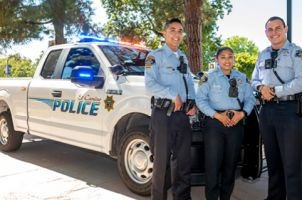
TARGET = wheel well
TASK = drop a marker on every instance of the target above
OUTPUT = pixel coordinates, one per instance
(127, 122)
(3, 107)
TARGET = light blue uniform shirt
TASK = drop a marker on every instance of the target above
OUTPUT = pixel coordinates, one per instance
(213, 95)
(162, 79)
(289, 68)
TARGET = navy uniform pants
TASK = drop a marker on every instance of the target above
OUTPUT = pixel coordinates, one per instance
(170, 145)
(222, 150)
(281, 131)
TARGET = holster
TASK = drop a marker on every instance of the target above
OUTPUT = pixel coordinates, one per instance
(299, 102)
(190, 103)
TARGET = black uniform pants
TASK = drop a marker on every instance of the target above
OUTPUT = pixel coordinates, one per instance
(281, 131)
(222, 150)
(170, 145)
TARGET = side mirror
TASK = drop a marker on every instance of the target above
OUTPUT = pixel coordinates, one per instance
(117, 69)
(201, 76)
(86, 75)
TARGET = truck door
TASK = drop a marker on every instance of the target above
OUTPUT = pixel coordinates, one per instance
(252, 147)
(77, 111)
(40, 97)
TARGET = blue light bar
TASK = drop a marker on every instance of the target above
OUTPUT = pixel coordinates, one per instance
(88, 37)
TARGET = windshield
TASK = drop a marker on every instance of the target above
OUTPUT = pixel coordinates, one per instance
(131, 58)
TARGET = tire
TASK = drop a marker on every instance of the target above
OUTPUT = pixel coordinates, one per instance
(135, 161)
(10, 140)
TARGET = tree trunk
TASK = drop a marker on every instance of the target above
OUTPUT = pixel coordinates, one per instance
(193, 27)
(57, 9)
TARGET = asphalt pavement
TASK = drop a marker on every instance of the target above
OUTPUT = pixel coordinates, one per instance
(44, 169)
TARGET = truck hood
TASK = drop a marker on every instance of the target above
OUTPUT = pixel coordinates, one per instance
(138, 82)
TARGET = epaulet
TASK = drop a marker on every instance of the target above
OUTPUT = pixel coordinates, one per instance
(266, 49)
(241, 77)
(213, 71)
(158, 50)
(238, 72)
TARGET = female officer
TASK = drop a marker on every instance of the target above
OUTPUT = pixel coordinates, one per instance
(225, 98)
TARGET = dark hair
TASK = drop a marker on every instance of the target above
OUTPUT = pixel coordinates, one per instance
(221, 49)
(275, 18)
(170, 21)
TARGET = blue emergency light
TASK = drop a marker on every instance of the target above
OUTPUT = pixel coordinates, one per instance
(85, 75)
(89, 37)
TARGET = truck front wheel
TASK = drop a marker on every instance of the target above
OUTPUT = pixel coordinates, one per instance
(10, 140)
(135, 161)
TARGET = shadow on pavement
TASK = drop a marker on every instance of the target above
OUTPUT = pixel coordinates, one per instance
(96, 169)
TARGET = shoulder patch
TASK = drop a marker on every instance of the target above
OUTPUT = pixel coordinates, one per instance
(299, 53)
(202, 78)
(150, 60)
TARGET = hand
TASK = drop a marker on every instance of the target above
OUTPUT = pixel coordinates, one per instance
(267, 93)
(178, 103)
(238, 115)
(223, 118)
(192, 111)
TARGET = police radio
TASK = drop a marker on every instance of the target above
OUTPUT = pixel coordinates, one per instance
(233, 90)
(182, 68)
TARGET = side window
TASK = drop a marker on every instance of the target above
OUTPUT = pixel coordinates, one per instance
(50, 64)
(79, 57)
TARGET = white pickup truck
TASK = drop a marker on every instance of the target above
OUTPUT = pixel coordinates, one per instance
(92, 95)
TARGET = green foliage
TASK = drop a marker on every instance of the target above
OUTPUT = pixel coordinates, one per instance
(142, 21)
(242, 44)
(245, 63)
(209, 49)
(23, 21)
(21, 67)
(246, 53)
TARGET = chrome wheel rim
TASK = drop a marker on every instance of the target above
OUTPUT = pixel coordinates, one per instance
(4, 133)
(138, 161)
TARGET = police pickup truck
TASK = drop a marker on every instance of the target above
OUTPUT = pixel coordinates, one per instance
(92, 95)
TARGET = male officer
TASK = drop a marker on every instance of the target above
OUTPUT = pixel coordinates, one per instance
(278, 78)
(168, 79)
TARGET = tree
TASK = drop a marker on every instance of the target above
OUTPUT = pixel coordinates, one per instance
(246, 53)
(140, 20)
(22, 21)
(242, 44)
(245, 63)
(20, 67)
(193, 28)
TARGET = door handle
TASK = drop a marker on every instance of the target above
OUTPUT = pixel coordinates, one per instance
(56, 93)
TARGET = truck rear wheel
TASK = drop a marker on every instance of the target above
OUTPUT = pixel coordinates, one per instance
(135, 161)
(10, 140)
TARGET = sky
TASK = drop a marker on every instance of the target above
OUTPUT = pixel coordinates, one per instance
(247, 19)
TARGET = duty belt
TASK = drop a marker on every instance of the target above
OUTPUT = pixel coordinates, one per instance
(282, 99)
(163, 103)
